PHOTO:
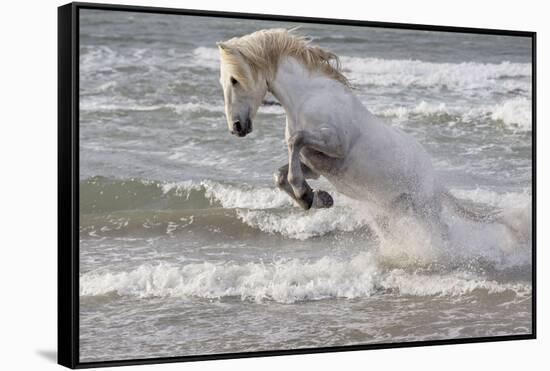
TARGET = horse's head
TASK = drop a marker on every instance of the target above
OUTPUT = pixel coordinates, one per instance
(243, 89)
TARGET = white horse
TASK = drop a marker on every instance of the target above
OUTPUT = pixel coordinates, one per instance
(329, 132)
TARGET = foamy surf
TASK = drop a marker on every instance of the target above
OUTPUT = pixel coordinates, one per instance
(416, 73)
(508, 200)
(514, 114)
(294, 223)
(289, 281)
(232, 196)
(98, 104)
(113, 205)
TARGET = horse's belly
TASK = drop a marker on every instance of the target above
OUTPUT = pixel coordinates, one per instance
(360, 186)
(350, 178)
(362, 176)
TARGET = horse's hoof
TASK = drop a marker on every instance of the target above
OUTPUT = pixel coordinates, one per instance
(321, 200)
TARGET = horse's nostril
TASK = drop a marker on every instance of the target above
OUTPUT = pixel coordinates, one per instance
(237, 126)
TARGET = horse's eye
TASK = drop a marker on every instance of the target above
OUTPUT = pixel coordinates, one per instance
(233, 81)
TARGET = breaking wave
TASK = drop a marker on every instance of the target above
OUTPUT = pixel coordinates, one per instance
(514, 114)
(415, 73)
(111, 204)
(290, 281)
(100, 194)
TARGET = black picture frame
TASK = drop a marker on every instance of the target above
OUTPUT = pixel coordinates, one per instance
(68, 182)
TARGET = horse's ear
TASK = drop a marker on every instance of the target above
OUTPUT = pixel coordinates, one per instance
(223, 46)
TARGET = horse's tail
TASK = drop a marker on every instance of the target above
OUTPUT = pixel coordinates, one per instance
(473, 213)
(517, 220)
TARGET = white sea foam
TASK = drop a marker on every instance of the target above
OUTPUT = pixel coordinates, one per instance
(509, 200)
(103, 58)
(287, 281)
(495, 242)
(195, 107)
(207, 57)
(466, 75)
(232, 196)
(272, 211)
(107, 86)
(514, 113)
(300, 225)
(107, 104)
(273, 110)
(98, 58)
(423, 108)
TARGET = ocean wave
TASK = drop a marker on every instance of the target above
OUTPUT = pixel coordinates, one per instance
(415, 73)
(109, 104)
(302, 226)
(233, 196)
(508, 200)
(207, 57)
(514, 113)
(266, 209)
(90, 58)
(104, 59)
(100, 194)
(289, 281)
(112, 206)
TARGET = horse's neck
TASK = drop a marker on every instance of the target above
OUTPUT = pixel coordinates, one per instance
(293, 84)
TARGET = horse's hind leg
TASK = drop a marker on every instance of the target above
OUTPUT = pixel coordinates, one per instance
(428, 212)
(314, 198)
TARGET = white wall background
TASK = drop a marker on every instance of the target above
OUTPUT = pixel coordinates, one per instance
(28, 182)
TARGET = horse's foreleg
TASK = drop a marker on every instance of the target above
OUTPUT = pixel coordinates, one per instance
(320, 199)
(323, 142)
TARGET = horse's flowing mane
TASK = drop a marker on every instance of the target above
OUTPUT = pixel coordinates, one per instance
(263, 49)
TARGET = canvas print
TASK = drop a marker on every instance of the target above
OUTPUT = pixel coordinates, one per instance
(251, 185)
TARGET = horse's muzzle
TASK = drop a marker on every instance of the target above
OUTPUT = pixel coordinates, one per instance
(240, 129)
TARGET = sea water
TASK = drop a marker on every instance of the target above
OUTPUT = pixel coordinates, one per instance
(187, 247)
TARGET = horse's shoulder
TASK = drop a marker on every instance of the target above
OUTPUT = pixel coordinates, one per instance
(325, 106)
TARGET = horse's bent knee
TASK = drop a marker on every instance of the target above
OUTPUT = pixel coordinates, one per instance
(297, 139)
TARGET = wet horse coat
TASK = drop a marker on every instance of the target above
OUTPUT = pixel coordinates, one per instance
(329, 132)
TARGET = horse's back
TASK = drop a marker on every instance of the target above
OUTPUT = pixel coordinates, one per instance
(382, 162)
